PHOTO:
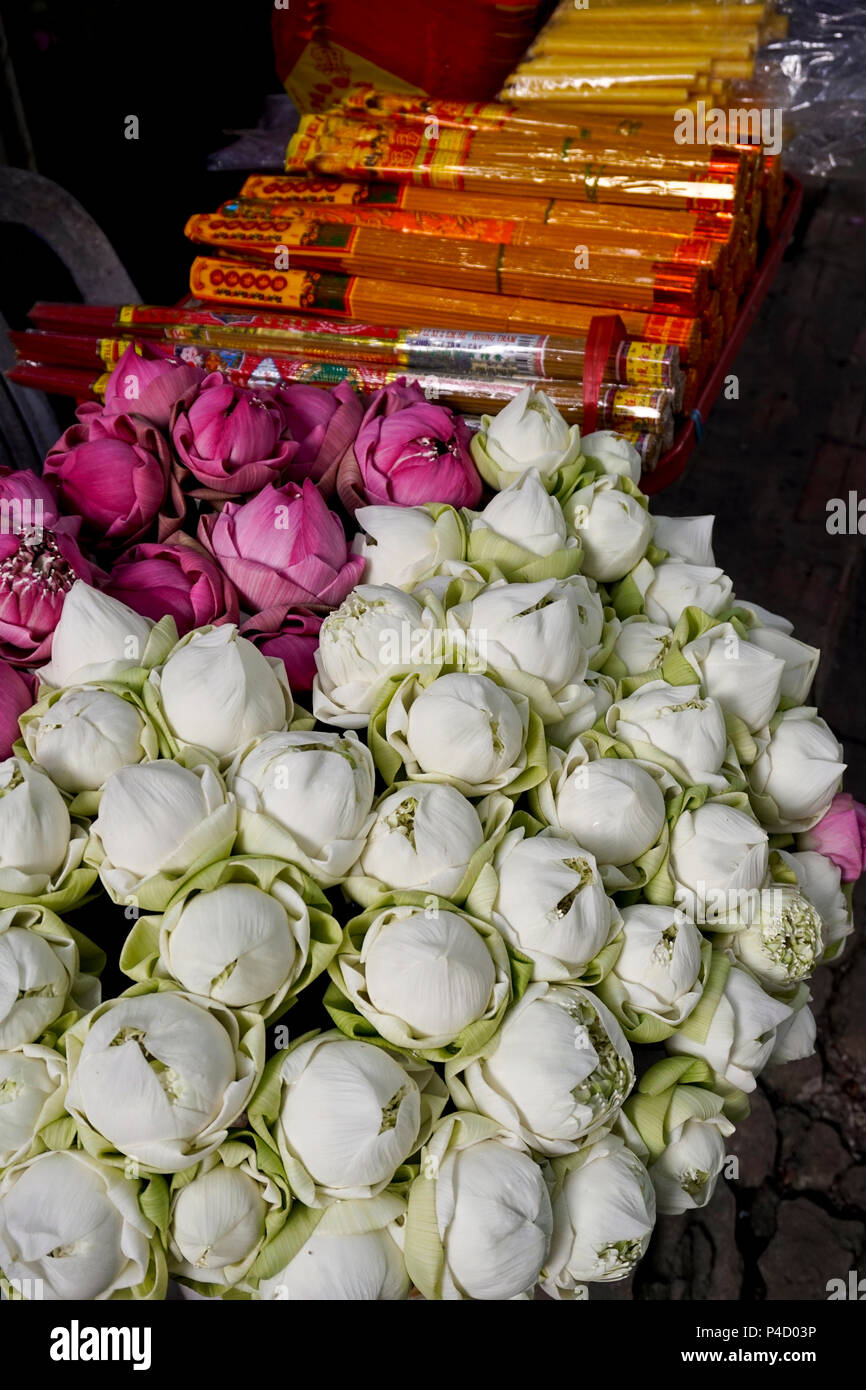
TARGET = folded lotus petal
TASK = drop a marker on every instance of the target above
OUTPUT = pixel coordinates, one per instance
(324, 424)
(180, 579)
(229, 438)
(147, 385)
(284, 547)
(34, 581)
(290, 635)
(17, 693)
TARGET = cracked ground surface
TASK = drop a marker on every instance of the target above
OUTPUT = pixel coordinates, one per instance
(767, 467)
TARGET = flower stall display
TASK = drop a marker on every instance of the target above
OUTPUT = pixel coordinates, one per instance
(456, 846)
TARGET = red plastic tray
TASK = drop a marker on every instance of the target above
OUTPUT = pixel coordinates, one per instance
(673, 463)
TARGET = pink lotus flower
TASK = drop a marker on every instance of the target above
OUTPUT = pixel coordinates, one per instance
(408, 452)
(841, 836)
(115, 472)
(229, 439)
(179, 579)
(283, 547)
(17, 693)
(292, 635)
(324, 424)
(148, 385)
(39, 562)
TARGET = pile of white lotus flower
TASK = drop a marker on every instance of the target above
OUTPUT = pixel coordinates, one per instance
(454, 983)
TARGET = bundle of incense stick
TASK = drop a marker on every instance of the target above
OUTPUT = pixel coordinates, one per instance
(494, 267)
(398, 302)
(267, 221)
(554, 126)
(464, 159)
(644, 56)
(634, 224)
(648, 411)
(631, 362)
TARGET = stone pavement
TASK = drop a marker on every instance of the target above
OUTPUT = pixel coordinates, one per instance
(767, 467)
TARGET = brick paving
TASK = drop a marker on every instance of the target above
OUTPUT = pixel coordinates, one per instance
(767, 466)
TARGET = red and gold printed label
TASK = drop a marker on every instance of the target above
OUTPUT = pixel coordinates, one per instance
(111, 350)
(336, 192)
(402, 106)
(269, 234)
(647, 364)
(633, 403)
(451, 225)
(289, 289)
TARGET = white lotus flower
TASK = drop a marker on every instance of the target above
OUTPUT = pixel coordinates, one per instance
(461, 728)
(795, 1037)
(741, 1035)
(217, 1224)
(685, 1175)
(422, 838)
(820, 881)
(157, 823)
(603, 1216)
(75, 1224)
(531, 630)
(162, 1076)
(32, 1090)
(659, 965)
(641, 645)
(376, 633)
(488, 1204)
(550, 903)
(613, 527)
(217, 691)
(528, 432)
(96, 639)
(422, 977)
(39, 844)
(688, 538)
(86, 735)
(350, 1114)
(404, 545)
(674, 725)
(801, 660)
(306, 797)
(238, 944)
(353, 1255)
(526, 514)
(745, 679)
(39, 971)
(675, 586)
(612, 806)
(776, 935)
(613, 453)
(717, 854)
(797, 774)
(555, 1074)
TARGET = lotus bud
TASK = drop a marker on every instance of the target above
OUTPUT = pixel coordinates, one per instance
(603, 1216)
(554, 1075)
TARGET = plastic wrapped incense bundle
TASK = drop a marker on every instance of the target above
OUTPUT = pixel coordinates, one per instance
(267, 222)
(630, 362)
(553, 127)
(649, 410)
(484, 202)
(648, 144)
(639, 227)
(353, 296)
(544, 273)
(462, 160)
